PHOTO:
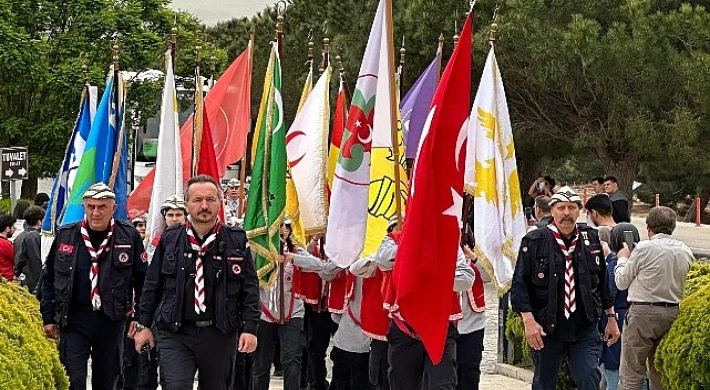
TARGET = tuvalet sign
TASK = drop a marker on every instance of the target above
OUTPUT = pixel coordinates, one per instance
(14, 163)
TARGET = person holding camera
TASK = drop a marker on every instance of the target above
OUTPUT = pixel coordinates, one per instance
(654, 273)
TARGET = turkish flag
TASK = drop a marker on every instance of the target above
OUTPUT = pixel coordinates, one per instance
(426, 259)
(228, 106)
(207, 163)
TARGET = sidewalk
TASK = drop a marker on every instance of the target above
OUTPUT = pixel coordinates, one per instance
(488, 382)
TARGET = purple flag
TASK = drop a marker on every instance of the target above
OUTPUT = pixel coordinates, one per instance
(415, 106)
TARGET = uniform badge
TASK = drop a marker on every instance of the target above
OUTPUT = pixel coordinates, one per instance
(597, 259)
(230, 258)
(66, 249)
(586, 242)
(236, 269)
(289, 278)
(541, 275)
(525, 249)
(144, 256)
(122, 246)
(123, 257)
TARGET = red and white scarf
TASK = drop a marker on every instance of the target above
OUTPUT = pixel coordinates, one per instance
(95, 255)
(200, 306)
(568, 252)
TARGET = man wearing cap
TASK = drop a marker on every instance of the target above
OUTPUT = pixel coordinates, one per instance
(91, 272)
(201, 292)
(560, 288)
(231, 203)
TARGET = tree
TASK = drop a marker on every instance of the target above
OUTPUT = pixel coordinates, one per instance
(619, 78)
(44, 45)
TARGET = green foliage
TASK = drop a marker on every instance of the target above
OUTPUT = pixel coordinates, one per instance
(28, 360)
(683, 356)
(6, 205)
(698, 277)
(43, 47)
(515, 333)
(618, 78)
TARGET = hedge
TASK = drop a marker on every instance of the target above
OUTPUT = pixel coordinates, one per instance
(28, 360)
(698, 276)
(683, 356)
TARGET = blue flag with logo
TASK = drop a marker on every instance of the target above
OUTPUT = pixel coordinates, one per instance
(75, 148)
(104, 155)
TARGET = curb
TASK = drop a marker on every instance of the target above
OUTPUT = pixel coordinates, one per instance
(518, 373)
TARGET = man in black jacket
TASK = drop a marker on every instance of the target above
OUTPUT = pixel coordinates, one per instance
(201, 291)
(91, 271)
(560, 288)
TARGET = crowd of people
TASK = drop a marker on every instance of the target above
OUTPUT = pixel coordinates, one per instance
(574, 282)
(188, 303)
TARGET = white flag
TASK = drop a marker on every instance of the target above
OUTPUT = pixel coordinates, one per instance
(369, 114)
(492, 178)
(307, 150)
(168, 165)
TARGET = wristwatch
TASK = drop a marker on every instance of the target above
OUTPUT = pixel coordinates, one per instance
(613, 315)
(140, 327)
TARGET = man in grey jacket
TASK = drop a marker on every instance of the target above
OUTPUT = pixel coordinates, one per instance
(654, 273)
(28, 259)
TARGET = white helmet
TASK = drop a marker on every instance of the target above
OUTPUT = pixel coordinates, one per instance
(173, 202)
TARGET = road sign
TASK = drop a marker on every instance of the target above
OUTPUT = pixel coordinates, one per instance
(14, 163)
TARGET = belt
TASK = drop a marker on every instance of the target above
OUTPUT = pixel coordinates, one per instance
(661, 304)
(202, 324)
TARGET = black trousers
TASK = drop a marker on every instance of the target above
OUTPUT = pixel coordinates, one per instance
(194, 348)
(350, 369)
(583, 353)
(318, 333)
(379, 365)
(469, 353)
(91, 333)
(411, 368)
(292, 340)
(242, 372)
(140, 371)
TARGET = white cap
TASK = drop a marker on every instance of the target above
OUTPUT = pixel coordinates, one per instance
(99, 191)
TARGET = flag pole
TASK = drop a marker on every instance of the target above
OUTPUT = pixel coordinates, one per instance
(440, 54)
(243, 163)
(121, 130)
(213, 69)
(197, 117)
(402, 54)
(326, 55)
(393, 115)
(173, 42)
(282, 277)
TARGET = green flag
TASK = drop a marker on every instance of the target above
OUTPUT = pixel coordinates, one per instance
(267, 197)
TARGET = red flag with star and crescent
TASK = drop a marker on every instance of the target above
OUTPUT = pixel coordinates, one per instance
(426, 258)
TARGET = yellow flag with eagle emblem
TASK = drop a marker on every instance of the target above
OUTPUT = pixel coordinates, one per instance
(492, 178)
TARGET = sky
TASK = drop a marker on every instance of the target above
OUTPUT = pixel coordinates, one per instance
(213, 11)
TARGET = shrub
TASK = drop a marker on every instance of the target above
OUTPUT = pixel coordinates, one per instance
(683, 357)
(28, 360)
(698, 276)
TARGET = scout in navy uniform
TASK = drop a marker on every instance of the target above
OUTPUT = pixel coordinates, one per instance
(560, 287)
(202, 293)
(91, 272)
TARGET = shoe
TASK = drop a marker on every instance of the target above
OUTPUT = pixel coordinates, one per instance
(278, 373)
